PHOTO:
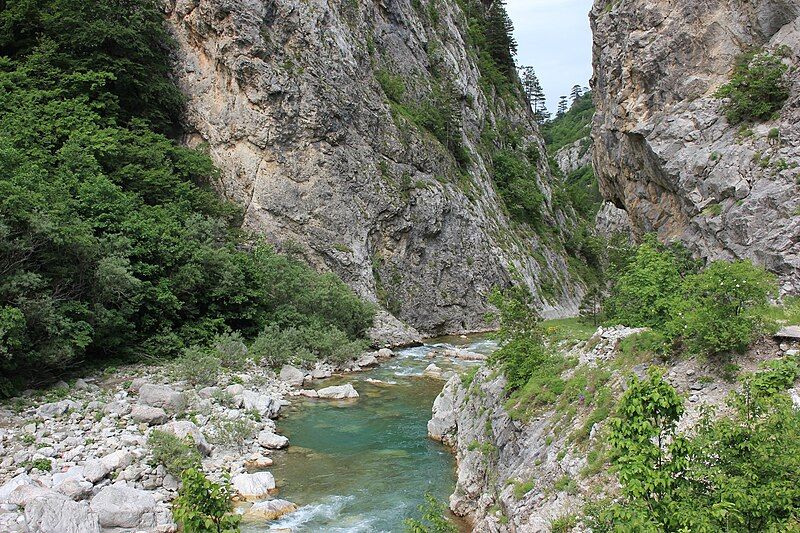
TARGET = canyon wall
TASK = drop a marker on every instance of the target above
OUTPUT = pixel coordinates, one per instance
(290, 99)
(663, 149)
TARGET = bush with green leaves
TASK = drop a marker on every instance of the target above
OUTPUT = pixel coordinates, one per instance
(719, 309)
(197, 366)
(757, 90)
(736, 472)
(433, 520)
(705, 312)
(276, 346)
(175, 454)
(233, 434)
(203, 506)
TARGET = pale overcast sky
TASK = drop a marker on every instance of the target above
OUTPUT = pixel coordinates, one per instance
(554, 38)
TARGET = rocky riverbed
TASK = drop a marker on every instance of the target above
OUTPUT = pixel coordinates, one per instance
(75, 458)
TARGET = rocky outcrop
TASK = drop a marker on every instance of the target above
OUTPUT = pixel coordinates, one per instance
(519, 471)
(663, 149)
(285, 96)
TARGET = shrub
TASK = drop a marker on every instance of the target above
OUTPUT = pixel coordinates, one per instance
(197, 366)
(735, 473)
(232, 433)
(517, 184)
(275, 347)
(393, 86)
(230, 350)
(718, 308)
(175, 454)
(522, 488)
(203, 506)
(757, 89)
(433, 519)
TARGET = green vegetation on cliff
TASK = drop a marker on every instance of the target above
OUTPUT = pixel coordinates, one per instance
(757, 90)
(112, 244)
(736, 472)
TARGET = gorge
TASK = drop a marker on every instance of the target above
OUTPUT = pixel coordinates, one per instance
(328, 265)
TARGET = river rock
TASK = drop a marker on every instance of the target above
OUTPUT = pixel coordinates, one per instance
(292, 375)
(75, 489)
(309, 393)
(367, 361)
(339, 392)
(385, 353)
(9, 486)
(125, 507)
(119, 407)
(55, 409)
(208, 392)
(149, 415)
(271, 441)
(57, 514)
(269, 510)
(185, 428)
(433, 371)
(264, 404)
(24, 494)
(162, 396)
(253, 486)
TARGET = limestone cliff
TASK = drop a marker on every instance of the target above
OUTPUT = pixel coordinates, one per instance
(663, 149)
(291, 97)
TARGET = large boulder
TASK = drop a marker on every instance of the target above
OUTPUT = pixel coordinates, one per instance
(253, 486)
(292, 375)
(339, 392)
(57, 514)
(13, 483)
(96, 469)
(268, 439)
(149, 415)
(119, 407)
(264, 404)
(185, 428)
(269, 510)
(55, 409)
(162, 396)
(125, 508)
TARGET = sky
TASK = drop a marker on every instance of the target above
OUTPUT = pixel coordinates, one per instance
(554, 38)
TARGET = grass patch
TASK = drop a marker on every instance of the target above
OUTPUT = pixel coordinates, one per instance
(568, 329)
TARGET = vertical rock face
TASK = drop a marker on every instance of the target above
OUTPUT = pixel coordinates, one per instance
(284, 93)
(663, 149)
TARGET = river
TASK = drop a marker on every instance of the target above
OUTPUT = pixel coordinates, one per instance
(364, 465)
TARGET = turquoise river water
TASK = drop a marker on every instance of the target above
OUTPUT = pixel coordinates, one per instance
(364, 465)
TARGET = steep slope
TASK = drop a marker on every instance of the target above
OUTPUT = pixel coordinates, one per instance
(664, 150)
(308, 109)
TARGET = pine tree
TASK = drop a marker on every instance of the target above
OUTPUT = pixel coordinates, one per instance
(533, 89)
(577, 92)
(500, 40)
(562, 106)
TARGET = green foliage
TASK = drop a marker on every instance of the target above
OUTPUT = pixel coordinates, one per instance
(111, 241)
(735, 473)
(175, 454)
(43, 464)
(522, 488)
(433, 519)
(491, 35)
(564, 524)
(516, 181)
(643, 294)
(126, 41)
(197, 366)
(203, 506)
(718, 309)
(276, 346)
(232, 434)
(393, 86)
(571, 126)
(757, 90)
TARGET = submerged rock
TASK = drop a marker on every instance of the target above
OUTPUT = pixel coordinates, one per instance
(339, 392)
(253, 486)
(269, 510)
